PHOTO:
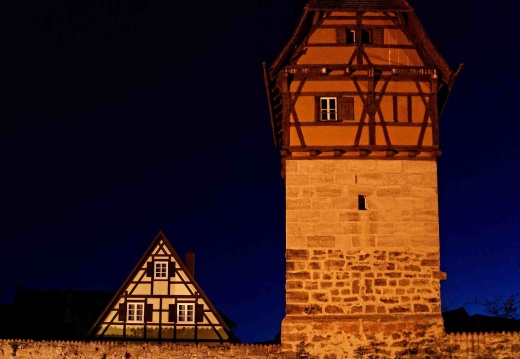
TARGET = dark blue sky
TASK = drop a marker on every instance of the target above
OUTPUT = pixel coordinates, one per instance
(118, 121)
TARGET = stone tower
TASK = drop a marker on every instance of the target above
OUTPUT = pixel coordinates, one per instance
(355, 98)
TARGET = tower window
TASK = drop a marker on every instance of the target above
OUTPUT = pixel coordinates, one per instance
(362, 202)
(334, 109)
(370, 36)
(366, 36)
(345, 36)
(351, 36)
(328, 109)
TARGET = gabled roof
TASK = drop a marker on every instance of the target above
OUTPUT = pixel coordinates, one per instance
(160, 237)
(411, 25)
(365, 5)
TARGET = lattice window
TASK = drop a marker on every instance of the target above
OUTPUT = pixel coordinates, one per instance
(135, 313)
(186, 313)
(161, 270)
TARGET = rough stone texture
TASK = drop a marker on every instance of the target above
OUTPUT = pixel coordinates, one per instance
(396, 339)
(373, 273)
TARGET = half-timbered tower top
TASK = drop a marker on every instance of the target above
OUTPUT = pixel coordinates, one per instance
(375, 77)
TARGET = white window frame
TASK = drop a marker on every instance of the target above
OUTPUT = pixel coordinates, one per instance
(328, 108)
(160, 270)
(186, 313)
(135, 312)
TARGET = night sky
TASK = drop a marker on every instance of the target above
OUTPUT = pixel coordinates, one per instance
(122, 118)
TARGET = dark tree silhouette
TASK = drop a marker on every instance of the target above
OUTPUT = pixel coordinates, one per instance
(502, 307)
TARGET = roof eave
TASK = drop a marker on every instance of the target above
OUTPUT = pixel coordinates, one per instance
(430, 50)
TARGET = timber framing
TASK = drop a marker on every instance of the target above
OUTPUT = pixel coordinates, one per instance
(399, 81)
(156, 297)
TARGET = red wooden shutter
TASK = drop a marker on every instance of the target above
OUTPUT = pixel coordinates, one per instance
(171, 269)
(148, 312)
(317, 105)
(122, 312)
(341, 36)
(346, 109)
(172, 313)
(199, 312)
(149, 269)
(378, 36)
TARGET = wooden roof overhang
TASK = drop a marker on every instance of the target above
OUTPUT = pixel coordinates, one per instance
(317, 9)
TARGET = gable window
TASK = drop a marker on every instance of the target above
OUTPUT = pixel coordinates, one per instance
(186, 313)
(135, 313)
(161, 270)
(328, 109)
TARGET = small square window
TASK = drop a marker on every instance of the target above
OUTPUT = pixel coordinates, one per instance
(161, 270)
(362, 202)
(351, 36)
(186, 313)
(366, 36)
(135, 313)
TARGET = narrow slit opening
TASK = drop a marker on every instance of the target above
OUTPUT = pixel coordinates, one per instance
(362, 202)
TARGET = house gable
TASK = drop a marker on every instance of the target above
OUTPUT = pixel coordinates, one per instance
(161, 300)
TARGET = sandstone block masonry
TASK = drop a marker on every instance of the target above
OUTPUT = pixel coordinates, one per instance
(457, 346)
(362, 251)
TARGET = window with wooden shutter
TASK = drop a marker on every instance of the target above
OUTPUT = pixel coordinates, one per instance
(161, 269)
(345, 36)
(327, 108)
(346, 109)
(186, 313)
(135, 312)
(378, 36)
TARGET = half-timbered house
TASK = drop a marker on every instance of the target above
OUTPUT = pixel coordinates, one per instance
(161, 300)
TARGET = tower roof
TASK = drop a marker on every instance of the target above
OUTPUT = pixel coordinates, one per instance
(364, 5)
(410, 23)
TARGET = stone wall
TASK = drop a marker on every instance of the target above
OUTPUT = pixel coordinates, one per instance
(454, 346)
(24, 349)
(355, 275)
(483, 345)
